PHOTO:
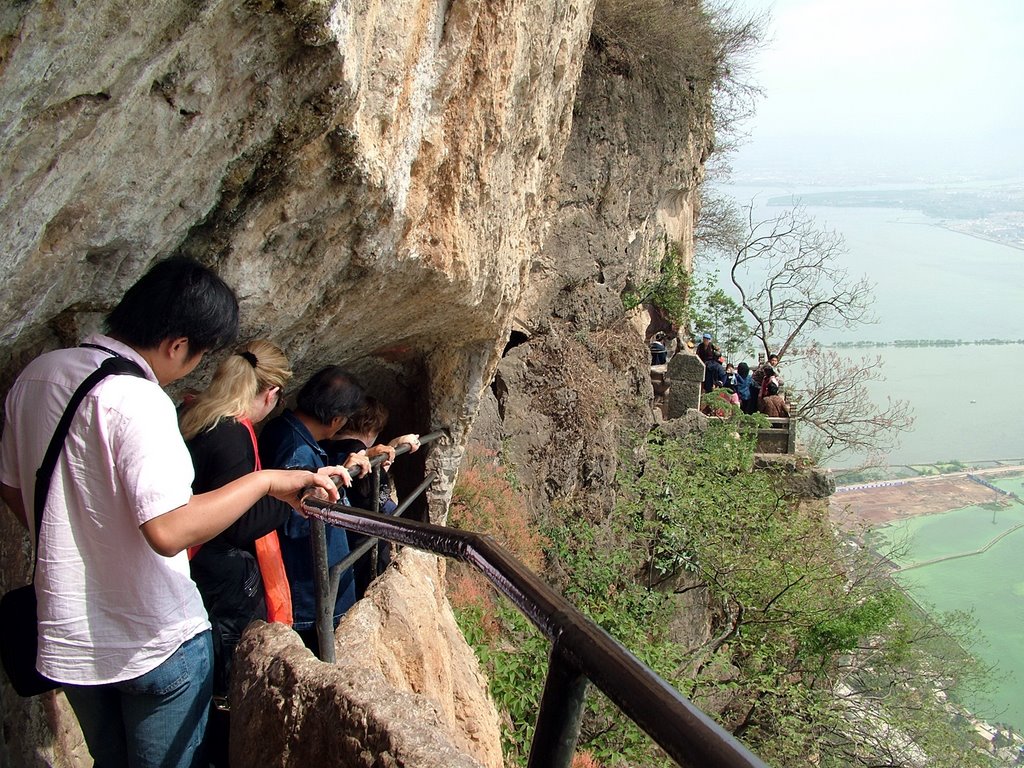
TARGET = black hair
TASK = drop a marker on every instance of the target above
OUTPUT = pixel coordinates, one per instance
(773, 388)
(330, 392)
(743, 369)
(176, 298)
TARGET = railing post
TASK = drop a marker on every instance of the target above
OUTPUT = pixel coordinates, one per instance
(334, 575)
(375, 489)
(561, 710)
(324, 606)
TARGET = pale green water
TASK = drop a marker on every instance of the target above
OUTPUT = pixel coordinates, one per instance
(955, 532)
(968, 402)
(991, 585)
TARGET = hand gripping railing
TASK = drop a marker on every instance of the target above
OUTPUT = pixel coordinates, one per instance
(328, 579)
(581, 651)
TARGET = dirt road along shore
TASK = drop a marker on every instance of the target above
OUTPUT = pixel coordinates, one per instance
(874, 504)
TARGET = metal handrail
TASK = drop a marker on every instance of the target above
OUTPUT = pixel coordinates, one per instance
(327, 580)
(581, 651)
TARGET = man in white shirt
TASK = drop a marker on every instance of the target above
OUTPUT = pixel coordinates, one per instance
(121, 624)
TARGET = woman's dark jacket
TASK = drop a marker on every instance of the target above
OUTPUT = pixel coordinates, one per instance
(361, 495)
(225, 568)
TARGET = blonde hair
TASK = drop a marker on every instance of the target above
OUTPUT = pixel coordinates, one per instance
(255, 367)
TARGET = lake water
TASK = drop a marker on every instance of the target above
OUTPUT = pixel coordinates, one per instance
(933, 283)
(967, 401)
(989, 584)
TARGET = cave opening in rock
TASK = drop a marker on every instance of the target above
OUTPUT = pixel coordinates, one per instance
(403, 387)
(515, 338)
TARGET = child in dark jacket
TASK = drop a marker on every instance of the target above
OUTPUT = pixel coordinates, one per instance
(745, 388)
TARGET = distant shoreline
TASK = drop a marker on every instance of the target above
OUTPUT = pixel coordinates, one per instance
(895, 476)
(876, 503)
(922, 343)
(976, 236)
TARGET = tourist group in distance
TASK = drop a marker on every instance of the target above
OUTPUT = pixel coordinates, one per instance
(757, 390)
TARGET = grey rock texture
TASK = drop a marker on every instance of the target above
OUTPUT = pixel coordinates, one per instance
(372, 178)
(692, 421)
(406, 690)
(803, 480)
(575, 382)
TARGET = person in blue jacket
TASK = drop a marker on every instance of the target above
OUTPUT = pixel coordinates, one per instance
(714, 374)
(291, 440)
(744, 388)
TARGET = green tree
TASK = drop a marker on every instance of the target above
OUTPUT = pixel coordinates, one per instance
(816, 655)
(711, 309)
(812, 655)
(667, 290)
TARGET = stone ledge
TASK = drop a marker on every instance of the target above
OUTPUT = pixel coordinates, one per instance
(406, 690)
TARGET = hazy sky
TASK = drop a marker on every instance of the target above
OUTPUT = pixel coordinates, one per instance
(918, 85)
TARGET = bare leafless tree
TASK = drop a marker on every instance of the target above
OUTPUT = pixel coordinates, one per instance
(837, 406)
(791, 280)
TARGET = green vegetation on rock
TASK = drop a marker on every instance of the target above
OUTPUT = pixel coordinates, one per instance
(745, 600)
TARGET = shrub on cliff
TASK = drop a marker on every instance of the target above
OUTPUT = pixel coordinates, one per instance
(810, 633)
(699, 46)
(805, 637)
(601, 566)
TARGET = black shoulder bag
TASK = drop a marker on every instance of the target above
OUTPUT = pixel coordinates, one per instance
(19, 639)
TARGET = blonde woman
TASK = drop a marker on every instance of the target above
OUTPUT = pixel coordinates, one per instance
(239, 572)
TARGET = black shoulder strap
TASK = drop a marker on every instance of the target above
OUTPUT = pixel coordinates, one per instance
(112, 365)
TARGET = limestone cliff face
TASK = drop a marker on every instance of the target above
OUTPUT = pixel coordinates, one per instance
(574, 382)
(371, 177)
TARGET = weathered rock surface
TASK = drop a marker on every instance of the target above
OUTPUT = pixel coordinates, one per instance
(575, 380)
(692, 421)
(406, 689)
(404, 629)
(803, 479)
(372, 177)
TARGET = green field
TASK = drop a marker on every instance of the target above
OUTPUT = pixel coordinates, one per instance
(990, 585)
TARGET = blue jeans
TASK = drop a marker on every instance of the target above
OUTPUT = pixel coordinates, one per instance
(156, 720)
